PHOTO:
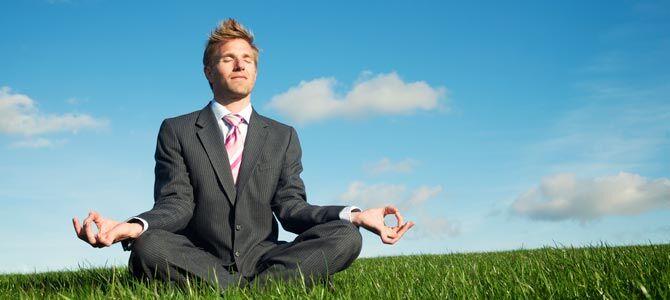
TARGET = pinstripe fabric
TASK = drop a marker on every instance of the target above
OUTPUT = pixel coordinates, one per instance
(322, 250)
(195, 196)
(167, 256)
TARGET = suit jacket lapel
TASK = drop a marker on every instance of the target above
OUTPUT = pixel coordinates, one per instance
(211, 137)
(253, 144)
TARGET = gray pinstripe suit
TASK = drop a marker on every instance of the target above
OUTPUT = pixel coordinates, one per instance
(204, 225)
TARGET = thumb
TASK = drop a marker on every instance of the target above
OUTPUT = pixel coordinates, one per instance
(111, 236)
(387, 235)
(390, 233)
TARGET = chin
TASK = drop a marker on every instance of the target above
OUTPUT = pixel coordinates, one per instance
(239, 94)
(239, 90)
(235, 92)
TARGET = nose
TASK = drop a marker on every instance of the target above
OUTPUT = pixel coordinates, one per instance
(240, 65)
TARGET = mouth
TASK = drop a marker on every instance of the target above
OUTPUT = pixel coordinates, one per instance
(238, 77)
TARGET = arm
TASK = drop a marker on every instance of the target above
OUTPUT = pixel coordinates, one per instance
(289, 203)
(173, 195)
(296, 215)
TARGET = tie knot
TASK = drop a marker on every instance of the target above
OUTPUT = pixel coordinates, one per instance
(233, 119)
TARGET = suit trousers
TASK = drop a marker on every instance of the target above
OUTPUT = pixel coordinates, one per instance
(311, 257)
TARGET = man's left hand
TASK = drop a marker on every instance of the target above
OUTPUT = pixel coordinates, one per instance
(373, 220)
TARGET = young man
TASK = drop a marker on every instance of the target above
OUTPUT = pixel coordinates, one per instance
(223, 174)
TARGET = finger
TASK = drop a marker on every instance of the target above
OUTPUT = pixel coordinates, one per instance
(390, 209)
(386, 240)
(77, 226)
(95, 214)
(398, 217)
(398, 228)
(106, 239)
(399, 231)
(96, 218)
(88, 233)
(402, 230)
(392, 233)
(387, 235)
(90, 217)
(113, 235)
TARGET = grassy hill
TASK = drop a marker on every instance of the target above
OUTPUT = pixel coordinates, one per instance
(595, 272)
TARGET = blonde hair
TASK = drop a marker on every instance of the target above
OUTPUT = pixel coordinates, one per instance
(227, 30)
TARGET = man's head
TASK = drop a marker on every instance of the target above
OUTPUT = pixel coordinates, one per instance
(230, 60)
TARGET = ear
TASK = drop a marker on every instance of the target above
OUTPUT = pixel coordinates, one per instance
(208, 73)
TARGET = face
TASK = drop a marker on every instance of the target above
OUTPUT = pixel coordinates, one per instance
(232, 71)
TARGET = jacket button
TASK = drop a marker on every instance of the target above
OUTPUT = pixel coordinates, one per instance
(237, 253)
(238, 227)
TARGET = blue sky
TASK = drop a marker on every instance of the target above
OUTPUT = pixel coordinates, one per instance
(492, 125)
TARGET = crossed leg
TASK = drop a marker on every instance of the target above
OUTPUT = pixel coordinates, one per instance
(166, 256)
(314, 255)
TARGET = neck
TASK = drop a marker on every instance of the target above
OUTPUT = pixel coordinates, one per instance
(234, 105)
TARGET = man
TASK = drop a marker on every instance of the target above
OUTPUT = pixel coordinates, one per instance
(222, 176)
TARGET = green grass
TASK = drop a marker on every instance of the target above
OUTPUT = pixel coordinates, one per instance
(595, 272)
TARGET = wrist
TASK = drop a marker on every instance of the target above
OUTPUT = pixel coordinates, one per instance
(355, 218)
(136, 229)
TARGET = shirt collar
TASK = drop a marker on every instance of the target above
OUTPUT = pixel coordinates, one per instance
(220, 111)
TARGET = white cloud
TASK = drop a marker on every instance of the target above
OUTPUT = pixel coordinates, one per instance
(422, 194)
(384, 94)
(387, 166)
(562, 197)
(429, 226)
(377, 195)
(408, 201)
(33, 143)
(374, 195)
(19, 115)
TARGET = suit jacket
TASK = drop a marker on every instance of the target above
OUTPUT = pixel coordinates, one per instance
(195, 195)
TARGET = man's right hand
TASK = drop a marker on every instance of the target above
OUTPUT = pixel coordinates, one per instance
(109, 231)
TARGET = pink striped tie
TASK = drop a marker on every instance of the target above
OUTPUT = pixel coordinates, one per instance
(234, 143)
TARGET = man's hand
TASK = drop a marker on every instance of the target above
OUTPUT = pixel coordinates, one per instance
(373, 220)
(109, 231)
